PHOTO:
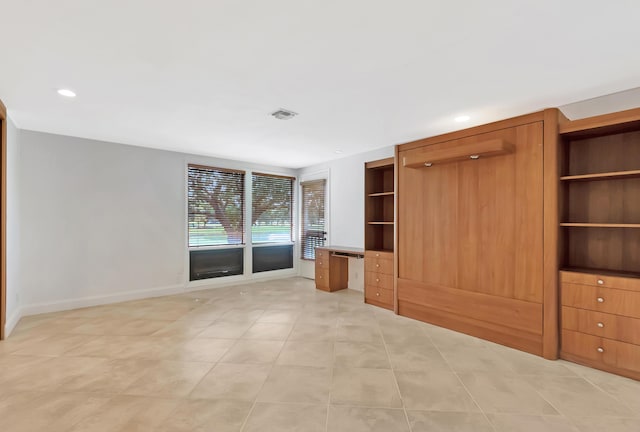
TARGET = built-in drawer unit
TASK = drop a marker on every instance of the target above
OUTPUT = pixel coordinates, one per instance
(600, 320)
(378, 286)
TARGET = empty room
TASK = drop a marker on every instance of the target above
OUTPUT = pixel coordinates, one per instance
(293, 215)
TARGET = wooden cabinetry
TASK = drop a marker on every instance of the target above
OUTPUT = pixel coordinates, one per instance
(379, 232)
(473, 251)
(378, 282)
(332, 272)
(600, 242)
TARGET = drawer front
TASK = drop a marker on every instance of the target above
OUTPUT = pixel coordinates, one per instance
(381, 295)
(378, 265)
(322, 262)
(631, 284)
(627, 356)
(600, 299)
(322, 277)
(377, 254)
(606, 325)
(379, 280)
(586, 346)
(620, 355)
(322, 254)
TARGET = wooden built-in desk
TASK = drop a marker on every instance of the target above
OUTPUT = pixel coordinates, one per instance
(332, 266)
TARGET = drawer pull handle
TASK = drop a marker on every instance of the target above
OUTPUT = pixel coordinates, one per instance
(320, 276)
(378, 294)
(320, 262)
(600, 282)
(600, 300)
(601, 325)
(377, 254)
(377, 265)
(600, 349)
(377, 280)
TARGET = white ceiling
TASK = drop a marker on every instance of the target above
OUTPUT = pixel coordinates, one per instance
(202, 76)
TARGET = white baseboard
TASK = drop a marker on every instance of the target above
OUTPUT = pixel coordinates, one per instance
(12, 321)
(62, 305)
(57, 306)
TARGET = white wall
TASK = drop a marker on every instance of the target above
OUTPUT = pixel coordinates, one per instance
(102, 221)
(346, 207)
(13, 228)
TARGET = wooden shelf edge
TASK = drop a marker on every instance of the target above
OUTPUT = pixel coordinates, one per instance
(604, 272)
(601, 121)
(377, 194)
(599, 225)
(602, 176)
(380, 223)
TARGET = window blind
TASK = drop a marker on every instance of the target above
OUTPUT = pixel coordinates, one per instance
(216, 206)
(271, 208)
(313, 223)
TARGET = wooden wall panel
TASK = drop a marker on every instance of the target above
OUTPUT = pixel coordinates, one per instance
(529, 218)
(428, 240)
(475, 228)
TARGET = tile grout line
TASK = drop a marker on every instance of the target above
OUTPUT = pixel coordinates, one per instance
(461, 383)
(255, 401)
(333, 364)
(395, 379)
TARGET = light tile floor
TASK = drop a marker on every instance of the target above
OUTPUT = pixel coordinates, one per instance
(281, 356)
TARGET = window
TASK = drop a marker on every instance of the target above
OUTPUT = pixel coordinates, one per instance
(313, 229)
(271, 203)
(216, 206)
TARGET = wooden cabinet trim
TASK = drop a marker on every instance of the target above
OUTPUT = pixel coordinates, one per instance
(598, 123)
(514, 338)
(506, 312)
(465, 133)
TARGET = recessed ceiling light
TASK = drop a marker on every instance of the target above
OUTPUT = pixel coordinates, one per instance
(66, 93)
(338, 151)
(462, 118)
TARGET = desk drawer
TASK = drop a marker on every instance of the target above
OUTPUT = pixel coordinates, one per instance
(322, 262)
(378, 280)
(322, 277)
(322, 255)
(606, 325)
(378, 265)
(600, 299)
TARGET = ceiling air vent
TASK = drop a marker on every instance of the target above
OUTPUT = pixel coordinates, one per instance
(283, 114)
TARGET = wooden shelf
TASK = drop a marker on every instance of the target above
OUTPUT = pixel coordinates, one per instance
(602, 176)
(599, 225)
(380, 223)
(377, 194)
(603, 272)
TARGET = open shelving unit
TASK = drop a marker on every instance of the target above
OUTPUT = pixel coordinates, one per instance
(379, 205)
(600, 204)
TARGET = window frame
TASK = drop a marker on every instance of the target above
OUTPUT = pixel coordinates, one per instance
(325, 232)
(292, 231)
(243, 210)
